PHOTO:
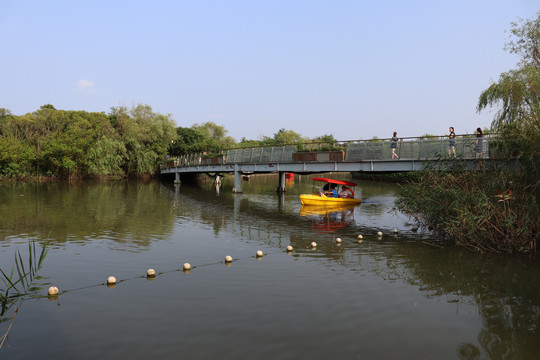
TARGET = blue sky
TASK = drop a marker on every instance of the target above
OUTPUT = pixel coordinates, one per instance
(354, 69)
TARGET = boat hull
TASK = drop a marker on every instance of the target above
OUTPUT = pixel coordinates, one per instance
(308, 199)
(315, 210)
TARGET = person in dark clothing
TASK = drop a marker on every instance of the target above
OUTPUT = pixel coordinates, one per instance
(479, 145)
(451, 141)
(394, 145)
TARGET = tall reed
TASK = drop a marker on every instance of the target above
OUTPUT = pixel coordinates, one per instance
(489, 209)
(19, 282)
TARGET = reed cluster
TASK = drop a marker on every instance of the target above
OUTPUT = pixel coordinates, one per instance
(489, 210)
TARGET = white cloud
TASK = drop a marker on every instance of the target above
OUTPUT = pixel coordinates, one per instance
(85, 86)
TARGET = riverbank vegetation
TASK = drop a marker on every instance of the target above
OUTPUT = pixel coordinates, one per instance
(497, 208)
(68, 144)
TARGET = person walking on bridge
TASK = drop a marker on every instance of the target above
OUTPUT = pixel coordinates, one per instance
(394, 146)
(479, 145)
(451, 141)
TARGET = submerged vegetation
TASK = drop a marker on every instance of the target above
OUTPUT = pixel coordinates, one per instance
(495, 209)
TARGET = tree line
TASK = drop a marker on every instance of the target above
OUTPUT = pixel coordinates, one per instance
(69, 144)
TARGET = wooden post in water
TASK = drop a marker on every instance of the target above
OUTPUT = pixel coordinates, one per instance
(281, 187)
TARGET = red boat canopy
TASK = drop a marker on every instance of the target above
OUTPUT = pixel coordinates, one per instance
(333, 181)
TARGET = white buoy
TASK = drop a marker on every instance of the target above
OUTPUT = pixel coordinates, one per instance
(187, 266)
(53, 290)
(314, 244)
(338, 240)
(228, 259)
(289, 248)
(396, 231)
(259, 253)
(111, 280)
(360, 237)
(379, 234)
(150, 272)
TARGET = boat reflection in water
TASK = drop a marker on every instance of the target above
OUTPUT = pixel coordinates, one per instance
(329, 219)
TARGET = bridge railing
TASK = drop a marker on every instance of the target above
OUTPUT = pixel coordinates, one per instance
(467, 146)
(261, 155)
(408, 148)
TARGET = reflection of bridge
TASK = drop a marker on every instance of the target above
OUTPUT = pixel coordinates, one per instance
(361, 156)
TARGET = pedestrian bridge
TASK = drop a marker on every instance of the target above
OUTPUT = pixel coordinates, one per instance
(373, 155)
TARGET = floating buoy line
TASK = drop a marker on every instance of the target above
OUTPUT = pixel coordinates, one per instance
(53, 292)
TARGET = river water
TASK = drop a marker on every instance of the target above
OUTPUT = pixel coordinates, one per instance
(404, 296)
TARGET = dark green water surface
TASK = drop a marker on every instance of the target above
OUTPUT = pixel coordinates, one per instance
(404, 296)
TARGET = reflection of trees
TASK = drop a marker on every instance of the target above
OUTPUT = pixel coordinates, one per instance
(505, 291)
(126, 212)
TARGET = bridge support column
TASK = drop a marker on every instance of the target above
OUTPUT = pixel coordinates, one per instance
(177, 178)
(281, 187)
(237, 180)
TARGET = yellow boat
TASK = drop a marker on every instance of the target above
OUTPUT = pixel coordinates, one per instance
(322, 199)
(325, 210)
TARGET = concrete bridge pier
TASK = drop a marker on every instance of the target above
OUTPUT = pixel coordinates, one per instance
(177, 178)
(237, 180)
(281, 187)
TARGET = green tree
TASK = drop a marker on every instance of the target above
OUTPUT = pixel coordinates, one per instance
(4, 113)
(328, 138)
(517, 93)
(283, 137)
(518, 90)
(245, 143)
(15, 157)
(146, 136)
(106, 157)
(214, 136)
(187, 141)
